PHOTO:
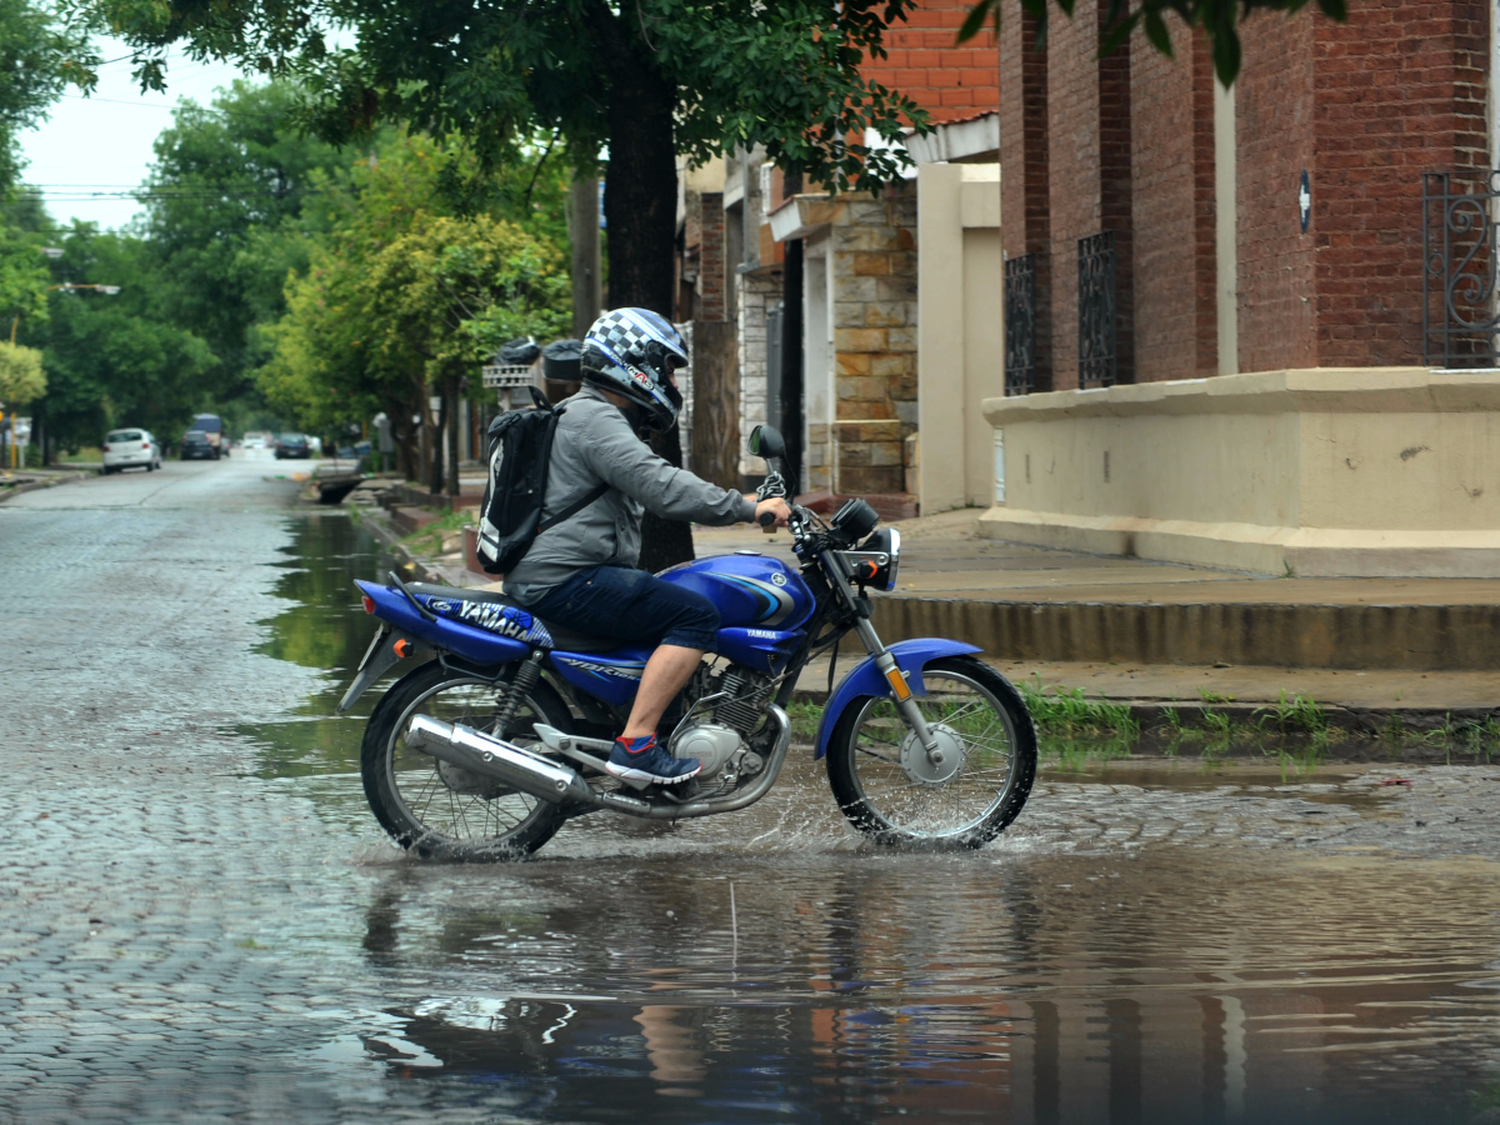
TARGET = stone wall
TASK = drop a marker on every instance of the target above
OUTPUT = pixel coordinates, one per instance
(757, 292)
(874, 262)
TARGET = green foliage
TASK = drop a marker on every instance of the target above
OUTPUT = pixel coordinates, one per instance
(114, 360)
(782, 73)
(1219, 20)
(225, 221)
(21, 377)
(410, 289)
(1072, 713)
(38, 60)
(23, 276)
(1300, 712)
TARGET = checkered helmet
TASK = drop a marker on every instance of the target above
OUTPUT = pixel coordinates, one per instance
(633, 352)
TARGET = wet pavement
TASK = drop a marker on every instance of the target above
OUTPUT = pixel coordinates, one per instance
(199, 920)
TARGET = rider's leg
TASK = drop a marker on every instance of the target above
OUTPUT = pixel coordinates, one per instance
(667, 672)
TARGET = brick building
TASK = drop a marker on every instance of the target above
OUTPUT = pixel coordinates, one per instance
(1197, 192)
(1159, 230)
(858, 299)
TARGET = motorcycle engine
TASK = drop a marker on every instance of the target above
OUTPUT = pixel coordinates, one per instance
(739, 697)
(710, 743)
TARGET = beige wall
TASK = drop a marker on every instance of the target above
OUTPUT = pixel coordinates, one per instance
(960, 332)
(1349, 471)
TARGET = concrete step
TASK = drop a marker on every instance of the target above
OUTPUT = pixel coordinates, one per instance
(1299, 635)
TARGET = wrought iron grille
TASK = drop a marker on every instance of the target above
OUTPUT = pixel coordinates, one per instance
(1020, 325)
(1096, 310)
(1460, 310)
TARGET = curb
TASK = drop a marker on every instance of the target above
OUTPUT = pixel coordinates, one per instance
(7, 491)
(1430, 638)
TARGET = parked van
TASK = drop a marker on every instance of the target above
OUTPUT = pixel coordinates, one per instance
(212, 427)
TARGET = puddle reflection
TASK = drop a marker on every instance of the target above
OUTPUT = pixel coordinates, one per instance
(1208, 988)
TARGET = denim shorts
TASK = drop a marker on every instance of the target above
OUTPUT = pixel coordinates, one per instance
(631, 605)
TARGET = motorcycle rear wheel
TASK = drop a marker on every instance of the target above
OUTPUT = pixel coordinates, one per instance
(436, 810)
(876, 768)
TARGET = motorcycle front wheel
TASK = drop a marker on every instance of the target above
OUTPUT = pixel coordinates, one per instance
(890, 789)
(436, 809)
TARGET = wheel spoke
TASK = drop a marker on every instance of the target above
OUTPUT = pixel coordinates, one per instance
(452, 809)
(970, 721)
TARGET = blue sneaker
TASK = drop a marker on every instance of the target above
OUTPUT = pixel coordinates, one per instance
(644, 759)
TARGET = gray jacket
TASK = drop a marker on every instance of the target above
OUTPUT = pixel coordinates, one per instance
(594, 442)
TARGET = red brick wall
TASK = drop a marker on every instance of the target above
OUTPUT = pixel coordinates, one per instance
(948, 80)
(1176, 318)
(1117, 193)
(711, 263)
(1073, 171)
(1274, 127)
(1025, 197)
(1398, 90)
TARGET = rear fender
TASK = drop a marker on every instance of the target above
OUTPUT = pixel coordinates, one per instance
(388, 648)
(478, 646)
(865, 680)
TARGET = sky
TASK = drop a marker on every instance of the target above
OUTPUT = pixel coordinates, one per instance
(92, 150)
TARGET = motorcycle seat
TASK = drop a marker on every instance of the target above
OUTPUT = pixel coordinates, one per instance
(450, 602)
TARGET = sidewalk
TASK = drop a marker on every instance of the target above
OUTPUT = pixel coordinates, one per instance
(1153, 634)
(13, 482)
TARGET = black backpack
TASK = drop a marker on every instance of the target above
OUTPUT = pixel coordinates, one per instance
(510, 516)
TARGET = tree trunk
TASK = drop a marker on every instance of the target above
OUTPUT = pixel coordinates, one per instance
(640, 211)
(583, 223)
(450, 408)
(716, 403)
(435, 485)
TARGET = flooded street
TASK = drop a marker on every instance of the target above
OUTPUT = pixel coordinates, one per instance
(200, 919)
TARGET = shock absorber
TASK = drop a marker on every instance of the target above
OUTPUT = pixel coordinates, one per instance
(520, 686)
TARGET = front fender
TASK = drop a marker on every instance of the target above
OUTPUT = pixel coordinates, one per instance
(911, 657)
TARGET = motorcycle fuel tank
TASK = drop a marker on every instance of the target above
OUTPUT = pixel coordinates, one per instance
(748, 589)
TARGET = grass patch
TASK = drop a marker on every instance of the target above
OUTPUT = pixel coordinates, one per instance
(85, 454)
(429, 540)
(805, 718)
(1300, 712)
(1065, 712)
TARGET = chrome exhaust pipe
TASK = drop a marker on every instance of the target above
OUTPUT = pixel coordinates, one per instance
(493, 757)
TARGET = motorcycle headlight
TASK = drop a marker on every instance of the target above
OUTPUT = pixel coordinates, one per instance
(878, 560)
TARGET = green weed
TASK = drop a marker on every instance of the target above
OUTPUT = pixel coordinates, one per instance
(1300, 712)
(429, 540)
(805, 718)
(1214, 697)
(1072, 712)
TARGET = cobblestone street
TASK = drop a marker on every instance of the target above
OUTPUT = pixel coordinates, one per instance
(194, 932)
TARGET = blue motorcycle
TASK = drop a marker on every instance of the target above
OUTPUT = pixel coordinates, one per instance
(500, 733)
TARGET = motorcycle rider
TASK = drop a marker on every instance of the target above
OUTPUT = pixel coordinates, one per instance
(582, 573)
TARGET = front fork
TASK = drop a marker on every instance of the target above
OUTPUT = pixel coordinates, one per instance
(906, 702)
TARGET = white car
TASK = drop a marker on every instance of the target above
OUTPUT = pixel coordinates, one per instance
(131, 449)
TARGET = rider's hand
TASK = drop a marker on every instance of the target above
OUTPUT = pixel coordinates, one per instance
(776, 506)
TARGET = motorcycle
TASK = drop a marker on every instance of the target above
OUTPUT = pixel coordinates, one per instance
(500, 733)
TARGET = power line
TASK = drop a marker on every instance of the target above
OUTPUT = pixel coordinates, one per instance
(173, 108)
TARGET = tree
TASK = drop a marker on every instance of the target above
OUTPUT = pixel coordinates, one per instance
(38, 60)
(406, 294)
(113, 360)
(1219, 20)
(21, 377)
(224, 218)
(648, 79)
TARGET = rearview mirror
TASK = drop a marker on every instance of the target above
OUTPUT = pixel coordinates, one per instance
(766, 441)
